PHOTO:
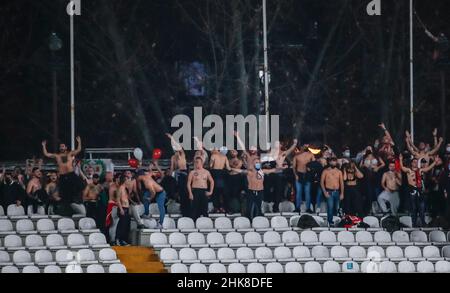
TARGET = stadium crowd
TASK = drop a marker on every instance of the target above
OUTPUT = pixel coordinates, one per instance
(380, 178)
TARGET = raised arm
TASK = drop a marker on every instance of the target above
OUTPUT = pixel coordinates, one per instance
(387, 133)
(404, 169)
(380, 166)
(292, 148)
(45, 152)
(78, 150)
(437, 147)
(175, 143)
(429, 34)
(241, 144)
(431, 166)
(410, 145)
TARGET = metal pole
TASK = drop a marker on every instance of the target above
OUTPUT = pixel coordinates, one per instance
(55, 110)
(72, 83)
(411, 64)
(266, 69)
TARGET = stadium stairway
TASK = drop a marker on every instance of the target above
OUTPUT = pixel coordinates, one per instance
(140, 260)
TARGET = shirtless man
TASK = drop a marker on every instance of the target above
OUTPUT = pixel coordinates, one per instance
(421, 152)
(280, 181)
(332, 183)
(112, 187)
(197, 186)
(53, 192)
(152, 191)
(391, 183)
(123, 204)
(416, 187)
(219, 166)
(69, 182)
(302, 178)
(235, 179)
(255, 178)
(179, 167)
(36, 194)
(91, 196)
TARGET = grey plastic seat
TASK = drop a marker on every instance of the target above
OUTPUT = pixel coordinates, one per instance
(217, 268)
(382, 237)
(234, 238)
(34, 241)
(64, 256)
(66, 225)
(206, 254)
(15, 211)
(252, 238)
(262, 253)
(177, 239)
(215, 238)
(418, 236)
(198, 268)
(372, 222)
(425, 267)
(438, 237)
(346, 237)
(327, 237)
(241, 223)
(95, 269)
(31, 270)
(6, 226)
(76, 240)
(169, 224)
(10, 270)
(350, 267)
(179, 268)
(2, 211)
(188, 254)
(245, 253)
(223, 223)
(331, 267)
(4, 257)
(107, 255)
(204, 224)
(339, 252)
(87, 224)
(357, 252)
(301, 252)
(158, 239)
(293, 268)
(313, 267)
(54, 240)
(45, 225)
(52, 270)
(364, 237)
(388, 267)
(226, 254)
(12, 242)
(442, 267)
(43, 257)
(185, 224)
(412, 252)
(168, 254)
(400, 237)
(309, 237)
(320, 252)
(282, 253)
(256, 268)
(272, 237)
(86, 256)
(274, 268)
(260, 223)
(22, 257)
(236, 268)
(279, 222)
(394, 252)
(73, 269)
(196, 238)
(406, 267)
(24, 226)
(290, 237)
(431, 252)
(97, 240)
(375, 253)
(117, 269)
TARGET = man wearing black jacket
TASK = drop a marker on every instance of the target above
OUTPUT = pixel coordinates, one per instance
(13, 192)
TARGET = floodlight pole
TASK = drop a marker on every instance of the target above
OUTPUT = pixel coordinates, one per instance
(411, 64)
(266, 69)
(72, 83)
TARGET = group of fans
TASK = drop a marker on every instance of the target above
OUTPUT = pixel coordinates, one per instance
(381, 178)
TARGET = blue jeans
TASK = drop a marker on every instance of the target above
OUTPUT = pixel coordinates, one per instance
(160, 200)
(333, 204)
(300, 185)
(319, 197)
(254, 202)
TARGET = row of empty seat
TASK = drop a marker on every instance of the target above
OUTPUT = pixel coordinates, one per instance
(36, 242)
(314, 267)
(53, 269)
(64, 225)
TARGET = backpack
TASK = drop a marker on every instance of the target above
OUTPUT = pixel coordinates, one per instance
(307, 222)
(391, 224)
(349, 221)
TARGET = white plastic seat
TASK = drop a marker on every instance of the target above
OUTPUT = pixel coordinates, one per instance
(431, 252)
(301, 252)
(54, 240)
(282, 253)
(24, 226)
(6, 226)
(206, 254)
(406, 220)
(272, 237)
(34, 241)
(442, 267)
(15, 211)
(158, 239)
(345, 237)
(4, 257)
(223, 223)
(179, 268)
(394, 252)
(21, 257)
(375, 253)
(260, 223)
(320, 252)
(339, 252)
(357, 252)
(400, 237)
(234, 238)
(327, 237)
(309, 237)
(43, 257)
(274, 268)
(76, 240)
(364, 237)
(226, 254)
(2, 211)
(350, 267)
(412, 252)
(87, 224)
(45, 225)
(198, 268)
(188, 254)
(195, 238)
(418, 236)
(290, 237)
(31, 270)
(372, 222)
(279, 222)
(169, 224)
(66, 225)
(10, 270)
(217, 268)
(52, 270)
(64, 256)
(236, 268)
(95, 269)
(263, 253)
(313, 267)
(73, 269)
(215, 239)
(117, 269)
(86, 256)
(252, 238)
(186, 224)
(406, 267)
(382, 237)
(241, 223)
(12, 241)
(256, 268)
(204, 224)
(388, 267)
(168, 254)
(293, 268)
(244, 253)
(438, 237)
(107, 255)
(331, 267)
(97, 239)
(446, 251)
(425, 267)
(177, 239)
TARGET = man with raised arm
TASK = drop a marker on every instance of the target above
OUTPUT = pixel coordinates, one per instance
(248, 156)
(302, 178)
(332, 183)
(197, 186)
(391, 182)
(416, 187)
(69, 183)
(421, 152)
(219, 167)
